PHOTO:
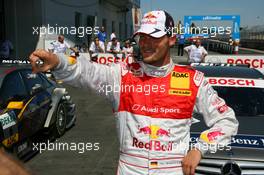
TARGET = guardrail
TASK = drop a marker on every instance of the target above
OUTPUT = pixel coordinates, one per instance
(219, 46)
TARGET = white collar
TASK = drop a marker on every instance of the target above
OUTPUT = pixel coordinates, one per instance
(157, 71)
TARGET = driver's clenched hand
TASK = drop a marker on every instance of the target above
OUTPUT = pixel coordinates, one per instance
(50, 60)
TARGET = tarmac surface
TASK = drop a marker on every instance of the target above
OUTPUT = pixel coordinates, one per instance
(95, 124)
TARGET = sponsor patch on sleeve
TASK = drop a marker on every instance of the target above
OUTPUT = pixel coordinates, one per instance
(223, 108)
(210, 136)
(198, 78)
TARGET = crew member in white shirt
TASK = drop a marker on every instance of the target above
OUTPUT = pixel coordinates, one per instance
(61, 46)
(113, 46)
(196, 52)
(128, 52)
(127, 49)
(97, 46)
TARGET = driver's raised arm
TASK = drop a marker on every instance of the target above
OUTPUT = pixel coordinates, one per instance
(84, 73)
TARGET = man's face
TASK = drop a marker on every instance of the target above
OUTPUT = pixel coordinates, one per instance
(153, 49)
(97, 41)
(127, 44)
(198, 43)
(114, 42)
(102, 29)
(61, 39)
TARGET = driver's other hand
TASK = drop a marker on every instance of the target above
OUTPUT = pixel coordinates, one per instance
(49, 60)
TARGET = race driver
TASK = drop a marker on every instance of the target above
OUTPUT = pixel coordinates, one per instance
(154, 128)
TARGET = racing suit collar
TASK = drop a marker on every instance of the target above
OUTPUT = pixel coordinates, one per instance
(154, 71)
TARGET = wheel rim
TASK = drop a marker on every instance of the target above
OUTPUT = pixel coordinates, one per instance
(61, 118)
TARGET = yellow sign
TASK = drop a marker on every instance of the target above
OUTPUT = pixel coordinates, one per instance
(180, 80)
(180, 92)
(15, 105)
(11, 140)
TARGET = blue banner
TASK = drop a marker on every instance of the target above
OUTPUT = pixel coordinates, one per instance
(234, 18)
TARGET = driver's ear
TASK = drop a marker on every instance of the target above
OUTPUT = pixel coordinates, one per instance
(172, 40)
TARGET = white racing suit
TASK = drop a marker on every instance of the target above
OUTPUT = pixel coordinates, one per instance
(153, 109)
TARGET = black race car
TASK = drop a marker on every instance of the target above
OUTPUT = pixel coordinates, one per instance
(242, 88)
(31, 104)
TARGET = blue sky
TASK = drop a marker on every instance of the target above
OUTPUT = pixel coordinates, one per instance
(250, 11)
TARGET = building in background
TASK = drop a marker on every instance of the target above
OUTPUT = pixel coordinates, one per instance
(19, 19)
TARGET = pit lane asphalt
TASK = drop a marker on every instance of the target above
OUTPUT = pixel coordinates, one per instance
(95, 124)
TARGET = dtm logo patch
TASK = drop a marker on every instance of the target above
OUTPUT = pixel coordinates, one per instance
(180, 80)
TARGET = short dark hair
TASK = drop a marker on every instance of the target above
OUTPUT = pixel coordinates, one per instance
(169, 23)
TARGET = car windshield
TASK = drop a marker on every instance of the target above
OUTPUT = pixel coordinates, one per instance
(244, 101)
(248, 104)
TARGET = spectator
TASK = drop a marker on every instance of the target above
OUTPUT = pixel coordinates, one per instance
(230, 41)
(84, 48)
(102, 34)
(113, 46)
(128, 52)
(181, 41)
(61, 46)
(113, 35)
(127, 49)
(236, 46)
(196, 53)
(6, 48)
(97, 46)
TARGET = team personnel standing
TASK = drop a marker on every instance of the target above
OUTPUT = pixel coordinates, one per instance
(153, 126)
(102, 34)
(181, 41)
(6, 48)
(60, 46)
(196, 53)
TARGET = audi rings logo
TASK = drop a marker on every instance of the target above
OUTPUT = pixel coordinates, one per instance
(136, 107)
(231, 168)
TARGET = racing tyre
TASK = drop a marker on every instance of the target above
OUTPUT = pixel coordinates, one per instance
(59, 126)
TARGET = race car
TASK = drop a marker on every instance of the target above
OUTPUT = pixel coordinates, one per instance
(30, 105)
(242, 88)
